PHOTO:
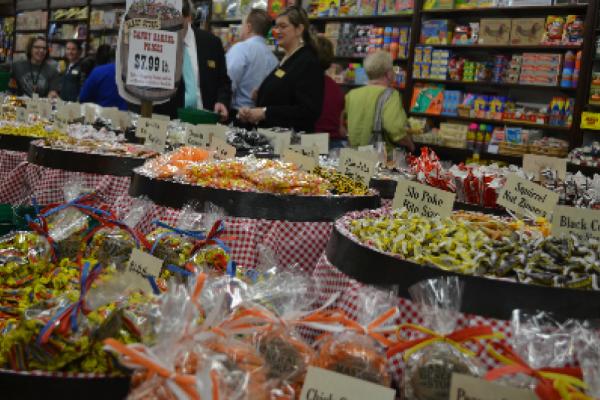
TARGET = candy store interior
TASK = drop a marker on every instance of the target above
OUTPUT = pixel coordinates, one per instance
(398, 199)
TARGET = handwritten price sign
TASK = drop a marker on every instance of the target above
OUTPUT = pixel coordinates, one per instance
(140, 267)
(357, 165)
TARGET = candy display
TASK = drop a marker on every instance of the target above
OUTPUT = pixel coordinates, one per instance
(351, 40)
(250, 142)
(248, 174)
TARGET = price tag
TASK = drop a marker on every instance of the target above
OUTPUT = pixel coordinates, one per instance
(221, 149)
(121, 119)
(35, 96)
(21, 114)
(312, 152)
(70, 111)
(321, 140)
(152, 54)
(33, 107)
(305, 163)
(534, 163)
(142, 265)
(61, 121)
(527, 198)
(45, 109)
(357, 165)
(328, 385)
(156, 134)
(369, 148)
(279, 140)
(198, 135)
(422, 199)
(89, 113)
(464, 387)
(582, 222)
(145, 124)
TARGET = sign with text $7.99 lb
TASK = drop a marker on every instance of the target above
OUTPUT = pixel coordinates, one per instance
(422, 199)
(527, 198)
(151, 57)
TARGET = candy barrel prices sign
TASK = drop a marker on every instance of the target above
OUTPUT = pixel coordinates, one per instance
(152, 56)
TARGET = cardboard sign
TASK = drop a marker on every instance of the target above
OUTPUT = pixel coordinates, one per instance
(527, 198)
(324, 384)
(152, 57)
(582, 222)
(312, 152)
(358, 165)
(162, 117)
(464, 387)
(89, 113)
(198, 135)
(61, 120)
(144, 126)
(222, 150)
(156, 135)
(321, 140)
(534, 163)
(32, 107)
(279, 140)
(21, 114)
(142, 265)
(590, 120)
(422, 199)
(45, 109)
(305, 163)
(369, 148)
(70, 111)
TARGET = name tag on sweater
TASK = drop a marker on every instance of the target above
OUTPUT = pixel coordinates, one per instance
(280, 73)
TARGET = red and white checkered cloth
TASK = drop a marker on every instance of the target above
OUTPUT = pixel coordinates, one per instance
(295, 244)
(330, 280)
(28, 180)
(9, 160)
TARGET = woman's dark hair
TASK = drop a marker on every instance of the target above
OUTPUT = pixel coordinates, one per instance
(298, 16)
(104, 55)
(76, 43)
(30, 44)
(325, 52)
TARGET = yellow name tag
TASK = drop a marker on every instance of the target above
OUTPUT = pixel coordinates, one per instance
(280, 73)
(212, 64)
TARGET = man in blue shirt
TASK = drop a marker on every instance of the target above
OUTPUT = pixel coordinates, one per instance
(251, 60)
(101, 88)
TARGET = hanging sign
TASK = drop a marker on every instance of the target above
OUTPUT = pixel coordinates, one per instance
(152, 57)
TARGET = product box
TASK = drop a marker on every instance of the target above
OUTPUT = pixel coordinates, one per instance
(527, 31)
(436, 31)
(438, 4)
(466, 4)
(494, 31)
(427, 99)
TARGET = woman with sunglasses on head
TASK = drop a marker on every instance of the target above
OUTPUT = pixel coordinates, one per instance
(35, 75)
(291, 96)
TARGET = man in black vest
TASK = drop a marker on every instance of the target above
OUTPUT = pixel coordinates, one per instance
(205, 83)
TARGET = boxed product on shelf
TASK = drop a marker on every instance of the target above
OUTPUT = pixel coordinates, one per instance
(494, 30)
(540, 69)
(439, 64)
(32, 20)
(571, 69)
(466, 34)
(514, 68)
(436, 31)
(438, 4)
(452, 99)
(70, 13)
(366, 7)
(453, 135)
(554, 30)
(105, 19)
(595, 88)
(390, 7)
(526, 31)
(573, 30)
(427, 99)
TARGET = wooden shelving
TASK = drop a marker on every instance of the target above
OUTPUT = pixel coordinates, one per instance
(363, 18)
(504, 47)
(497, 84)
(550, 128)
(521, 10)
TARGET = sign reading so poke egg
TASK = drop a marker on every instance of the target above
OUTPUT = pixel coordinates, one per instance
(150, 53)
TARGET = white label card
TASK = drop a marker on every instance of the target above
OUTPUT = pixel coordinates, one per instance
(198, 135)
(582, 222)
(21, 114)
(312, 152)
(328, 385)
(534, 163)
(156, 134)
(142, 265)
(152, 58)
(279, 140)
(61, 121)
(321, 140)
(305, 163)
(464, 387)
(45, 109)
(221, 149)
(144, 125)
(89, 115)
(527, 198)
(422, 199)
(357, 165)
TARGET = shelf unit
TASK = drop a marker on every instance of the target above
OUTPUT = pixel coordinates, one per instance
(91, 4)
(497, 84)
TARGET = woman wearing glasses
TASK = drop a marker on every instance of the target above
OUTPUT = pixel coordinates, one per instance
(291, 96)
(35, 75)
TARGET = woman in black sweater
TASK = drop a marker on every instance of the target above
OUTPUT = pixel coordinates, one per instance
(291, 96)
